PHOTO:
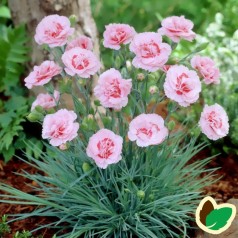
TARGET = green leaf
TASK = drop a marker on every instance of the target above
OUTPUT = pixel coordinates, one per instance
(8, 154)
(5, 12)
(218, 218)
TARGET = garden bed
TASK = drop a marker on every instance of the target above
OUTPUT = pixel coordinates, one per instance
(223, 190)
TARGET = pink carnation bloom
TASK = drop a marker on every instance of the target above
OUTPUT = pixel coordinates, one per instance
(112, 90)
(151, 53)
(46, 101)
(81, 62)
(53, 30)
(83, 42)
(182, 85)
(214, 122)
(177, 28)
(60, 127)
(147, 129)
(105, 147)
(206, 68)
(42, 74)
(117, 34)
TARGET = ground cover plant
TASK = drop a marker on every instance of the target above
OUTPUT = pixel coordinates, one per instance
(114, 167)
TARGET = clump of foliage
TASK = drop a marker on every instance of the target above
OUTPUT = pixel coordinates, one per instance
(4, 227)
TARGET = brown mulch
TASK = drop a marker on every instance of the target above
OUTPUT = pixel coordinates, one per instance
(7, 176)
(224, 189)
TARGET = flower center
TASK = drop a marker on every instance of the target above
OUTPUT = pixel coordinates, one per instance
(119, 36)
(55, 31)
(105, 148)
(182, 87)
(59, 131)
(114, 89)
(214, 120)
(148, 132)
(150, 50)
(79, 63)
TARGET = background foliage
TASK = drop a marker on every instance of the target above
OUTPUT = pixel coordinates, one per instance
(14, 101)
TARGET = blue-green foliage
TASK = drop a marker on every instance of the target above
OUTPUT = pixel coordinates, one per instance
(151, 192)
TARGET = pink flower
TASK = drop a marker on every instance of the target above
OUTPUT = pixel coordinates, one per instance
(60, 127)
(151, 53)
(166, 67)
(81, 62)
(117, 34)
(147, 129)
(46, 101)
(214, 122)
(112, 90)
(42, 74)
(177, 28)
(83, 42)
(105, 147)
(182, 85)
(206, 68)
(53, 30)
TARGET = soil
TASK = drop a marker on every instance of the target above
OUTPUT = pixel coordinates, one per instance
(223, 190)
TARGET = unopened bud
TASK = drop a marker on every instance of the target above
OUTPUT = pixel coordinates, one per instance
(140, 194)
(153, 89)
(73, 20)
(63, 147)
(97, 103)
(106, 121)
(117, 62)
(151, 77)
(140, 76)
(171, 125)
(128, 65)
(34, 116)
(86, 167)
(39, 109)
(90, 116)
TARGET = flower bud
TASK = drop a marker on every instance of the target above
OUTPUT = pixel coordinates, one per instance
(196, 131)
(140, 76)
(153, 89)
(106, 121)
(171, 125)
(86, 167)
(63, 147)
(128, 65)
(35, 116)
(39, 109)
(97, 103)
(50, 111)
(151, 77)
(73, 20)
(140, 194)
(89, 123)
(117, 62)
(90, 117)
(65, 85)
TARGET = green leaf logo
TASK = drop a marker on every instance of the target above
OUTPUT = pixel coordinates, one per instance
(213, 218)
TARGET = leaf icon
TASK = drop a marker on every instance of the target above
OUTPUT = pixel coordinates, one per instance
(218, 218)
(214, 218)
(206, 209)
